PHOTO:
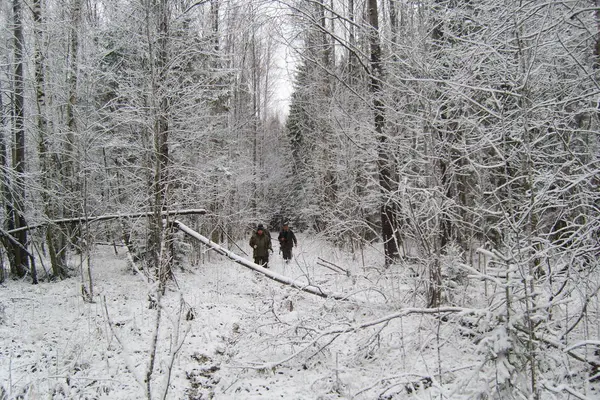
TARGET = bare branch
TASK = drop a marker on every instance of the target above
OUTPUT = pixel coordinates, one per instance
(383, 320)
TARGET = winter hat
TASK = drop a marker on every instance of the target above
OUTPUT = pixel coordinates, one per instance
(260, 227)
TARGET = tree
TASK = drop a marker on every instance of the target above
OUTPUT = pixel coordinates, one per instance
(385, 168)
(55, 240)
(4, 177)
(17, 251)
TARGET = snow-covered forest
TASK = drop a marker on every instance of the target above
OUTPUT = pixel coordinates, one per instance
(438, 160)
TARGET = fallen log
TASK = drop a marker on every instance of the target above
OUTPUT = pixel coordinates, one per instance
(312, 289)
(79, 220)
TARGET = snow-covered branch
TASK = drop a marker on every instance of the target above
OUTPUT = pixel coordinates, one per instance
(583, 343)
(78, 220)
(338, 331)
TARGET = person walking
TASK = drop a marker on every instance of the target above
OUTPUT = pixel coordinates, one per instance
(287, 240)
(260, 241)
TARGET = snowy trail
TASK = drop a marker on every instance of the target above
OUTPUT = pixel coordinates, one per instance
(306, 287)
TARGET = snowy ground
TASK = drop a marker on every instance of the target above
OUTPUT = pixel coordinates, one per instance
(250, 338)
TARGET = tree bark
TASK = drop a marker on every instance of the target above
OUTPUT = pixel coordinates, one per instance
(384, 163)
(20, 260)
(53, 237)
(70, 158)
(352, 61)
(162, 257)
(6, 198)
(596, 66)
(71, 146)
(214, 14)
(255, 127)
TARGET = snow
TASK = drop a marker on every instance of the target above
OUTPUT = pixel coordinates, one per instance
(250, 338)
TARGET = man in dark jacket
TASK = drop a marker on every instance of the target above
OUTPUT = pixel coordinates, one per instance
(287, 240)
(261, 245)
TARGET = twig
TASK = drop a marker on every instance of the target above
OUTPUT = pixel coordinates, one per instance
(581, 314)
(583, 343)
(322, 347)
(568, 389)
(559, 346)
(340, 331)
(367, 290)
(328, 267)
(233, 241)
(336, 266)
(176, 346)
(481, 276)
(130, 366)
(198, 3)
(154, 343)
(387, 379)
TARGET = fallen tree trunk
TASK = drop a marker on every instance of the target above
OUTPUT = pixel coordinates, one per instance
(255, 267)
(77, 220)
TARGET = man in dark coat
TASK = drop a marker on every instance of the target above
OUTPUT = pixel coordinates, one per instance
(261, 245)
(287, 240)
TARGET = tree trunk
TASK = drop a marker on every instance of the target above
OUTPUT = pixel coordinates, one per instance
(71, 153)
(384, 164)
(53, 236)
(393, 7)
(255, 126)
(596, 66)
(352, 61)
(214, 13)
(6, 198)
(70, 167)
(20, 260)
(162, 255)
